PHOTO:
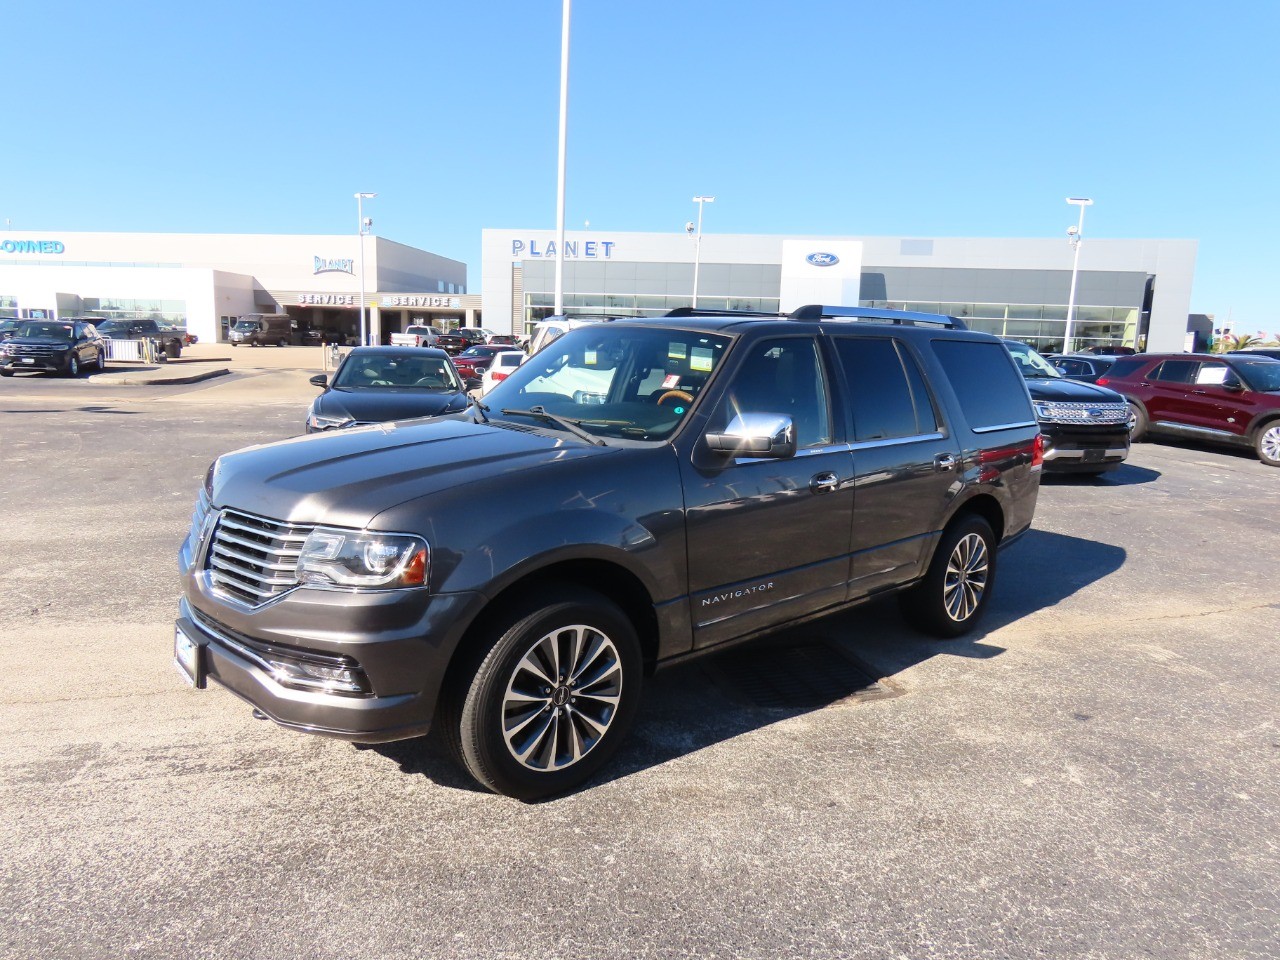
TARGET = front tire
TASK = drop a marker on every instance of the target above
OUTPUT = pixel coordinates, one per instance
(73, 366)
(953, 595)
(551, 697)
(1267, 443)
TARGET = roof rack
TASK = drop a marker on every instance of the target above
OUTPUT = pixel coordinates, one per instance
(696, 312)
(815, 311)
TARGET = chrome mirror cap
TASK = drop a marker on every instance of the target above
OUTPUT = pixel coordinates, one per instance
(769, 435)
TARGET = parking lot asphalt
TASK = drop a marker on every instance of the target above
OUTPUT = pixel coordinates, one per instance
(1094, 774)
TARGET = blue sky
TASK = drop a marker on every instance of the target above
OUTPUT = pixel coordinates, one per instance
(902, 118)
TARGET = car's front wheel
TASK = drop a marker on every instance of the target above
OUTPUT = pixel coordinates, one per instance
(1267, 443)
(547, 698)
(73, 366)
(953, 595)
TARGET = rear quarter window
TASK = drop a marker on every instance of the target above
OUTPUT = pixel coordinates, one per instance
(990, 389)
(1125, 369)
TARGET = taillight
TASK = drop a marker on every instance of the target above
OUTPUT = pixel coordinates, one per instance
(1102, 381)
(1037, 450)
(498, 376)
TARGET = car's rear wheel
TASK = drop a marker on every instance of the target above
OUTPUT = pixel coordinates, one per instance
(1137, 423)
(953, 595)
(547, 697)
(1267, 443)
(282, 342)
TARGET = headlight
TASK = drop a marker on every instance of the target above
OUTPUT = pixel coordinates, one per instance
(316, 422)
(357, 558)
(208, 478)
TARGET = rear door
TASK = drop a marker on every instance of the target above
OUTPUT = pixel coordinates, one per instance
(1170, 384)
(904, 460)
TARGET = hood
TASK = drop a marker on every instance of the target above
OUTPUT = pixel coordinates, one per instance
(378, 406)
(1044, 389)
(347, 477)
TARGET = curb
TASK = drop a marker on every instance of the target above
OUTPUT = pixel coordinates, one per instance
(161, 381)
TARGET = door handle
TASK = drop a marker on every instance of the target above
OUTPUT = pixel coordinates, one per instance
(1201, 393)
(945, 462)
(824, 483)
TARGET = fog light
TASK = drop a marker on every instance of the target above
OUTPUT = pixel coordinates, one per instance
(315, 676)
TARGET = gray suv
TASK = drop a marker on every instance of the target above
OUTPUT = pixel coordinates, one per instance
(648, 490)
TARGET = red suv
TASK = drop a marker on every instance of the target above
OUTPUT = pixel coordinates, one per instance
(1226, 399)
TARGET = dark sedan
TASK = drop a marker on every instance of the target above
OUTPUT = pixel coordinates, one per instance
(1086, 368)
(378, 384)
(475, 360)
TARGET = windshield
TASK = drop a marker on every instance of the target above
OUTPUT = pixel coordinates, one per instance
(47, 329)
(613, 380)
(1263, 375)
(246, 325)
(399, 371)
(1030, 364)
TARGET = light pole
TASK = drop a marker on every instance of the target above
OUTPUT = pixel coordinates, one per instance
(361, 226)
(697, 244)
(1074, 236)
(564, 131)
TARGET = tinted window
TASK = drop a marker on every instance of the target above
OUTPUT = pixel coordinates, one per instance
(1176, 371)
(782, 376)
(1124, 369)
(990, 390)
(1073, 368)
(887, 391)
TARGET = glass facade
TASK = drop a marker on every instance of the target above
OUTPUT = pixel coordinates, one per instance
(652, 289)
(8, 308)
(169, 314)
(1042, 326)
(633, 289)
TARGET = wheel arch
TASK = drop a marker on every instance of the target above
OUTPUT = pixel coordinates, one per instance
(985, 506)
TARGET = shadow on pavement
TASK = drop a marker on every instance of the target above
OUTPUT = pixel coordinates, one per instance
(1125, 475)
(845, 657)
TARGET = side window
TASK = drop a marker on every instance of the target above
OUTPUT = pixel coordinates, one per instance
(1073, 368)
(1123, 369)
(991, 391)
(1213, 374)
(782, 376)
(1176, 371)
(887, 391)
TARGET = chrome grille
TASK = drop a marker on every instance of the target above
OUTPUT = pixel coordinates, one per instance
(1099, 414)
(254, 559)
(30, 350)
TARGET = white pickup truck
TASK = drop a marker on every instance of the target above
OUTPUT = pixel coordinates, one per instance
(415, 336)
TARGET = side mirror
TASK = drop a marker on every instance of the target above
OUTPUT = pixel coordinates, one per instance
(765, 435)
(320, 380)
(1233, 385)
(472, 383)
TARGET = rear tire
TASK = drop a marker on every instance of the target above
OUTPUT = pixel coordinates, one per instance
(547, 696)
(1138, 423)
(1267, 443)
(953, 595)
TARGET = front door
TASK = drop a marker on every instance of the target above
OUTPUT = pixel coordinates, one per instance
(768, 539)
(1210, 406)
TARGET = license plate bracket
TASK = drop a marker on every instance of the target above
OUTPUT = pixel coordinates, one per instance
(1093, 456)
(188, 658)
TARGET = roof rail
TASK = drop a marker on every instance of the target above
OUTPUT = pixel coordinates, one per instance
(696, 312)
(815, 311)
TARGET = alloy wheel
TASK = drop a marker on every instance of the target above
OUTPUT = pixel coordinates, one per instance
(1269, 444)
(966, 577)
(561, 698)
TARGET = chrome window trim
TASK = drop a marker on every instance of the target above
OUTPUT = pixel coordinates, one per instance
(895, 441)
(1006, 426)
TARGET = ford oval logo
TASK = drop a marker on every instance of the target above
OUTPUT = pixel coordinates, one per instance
(823, 259)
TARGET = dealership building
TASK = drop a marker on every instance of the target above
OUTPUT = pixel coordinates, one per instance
(1129, 292)
(202, 282)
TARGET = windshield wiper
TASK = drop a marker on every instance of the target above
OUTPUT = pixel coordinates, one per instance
(483, 408)
(570, 425)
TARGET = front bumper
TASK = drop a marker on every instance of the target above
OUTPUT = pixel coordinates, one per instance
(50, 364)
(1075, 449)
(401, 641)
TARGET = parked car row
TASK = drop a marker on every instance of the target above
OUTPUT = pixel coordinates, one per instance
(1231, 398)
